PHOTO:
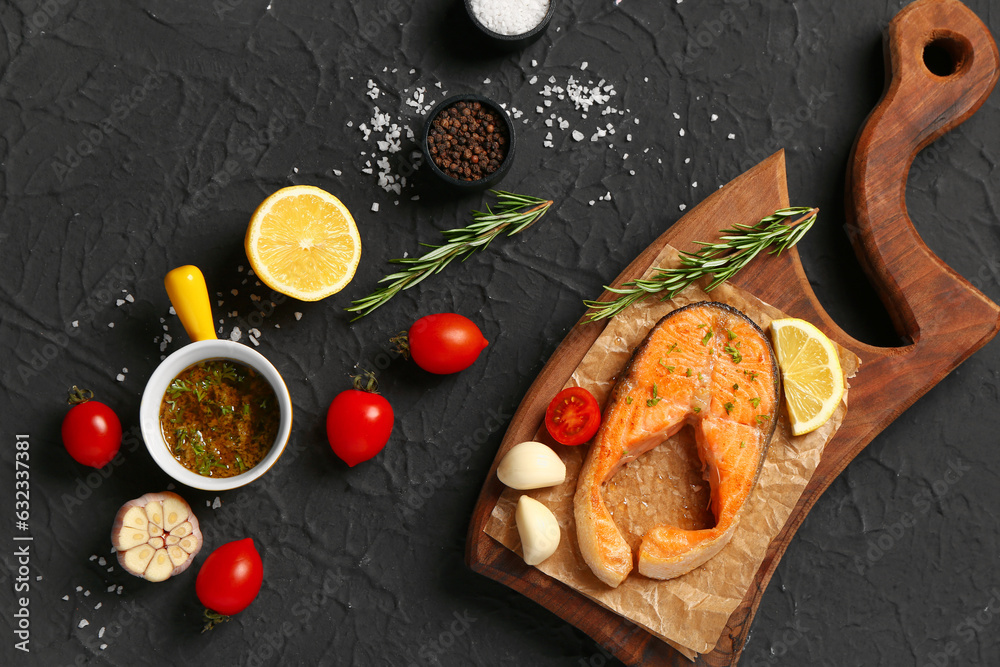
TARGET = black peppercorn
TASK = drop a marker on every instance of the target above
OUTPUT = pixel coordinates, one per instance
(467, 140)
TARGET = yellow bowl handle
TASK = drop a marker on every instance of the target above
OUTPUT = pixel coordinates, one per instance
(189, 295)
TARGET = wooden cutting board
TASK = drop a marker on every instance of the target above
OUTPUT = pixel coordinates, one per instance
(941, 66)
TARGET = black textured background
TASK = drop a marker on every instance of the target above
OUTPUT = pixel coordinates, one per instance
(238, 98)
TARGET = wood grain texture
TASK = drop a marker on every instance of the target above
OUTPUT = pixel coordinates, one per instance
(918, 106)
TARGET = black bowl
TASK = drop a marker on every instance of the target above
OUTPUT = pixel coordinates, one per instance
(512, 41)
(482, 183)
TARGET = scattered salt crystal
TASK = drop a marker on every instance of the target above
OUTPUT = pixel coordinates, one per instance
(682, 207)
(715, 117)
(83, 623)
(236, 334)
(687, 160)
(583, 65)
(104, 646)
(298, 316)
(98, 606)
(93, 557)
(171, 310)
(577, 135)
(217, 503)
(680, 132)
(731, 136)
(591, 202)
(119, 590)
(75, 323)
(337, 172)
(86, 594)
(110, 588)
(65, 597)
(374, 207)
(120, 302)
(100, 633)
(120, 377)
(534, 63)
(111, 325)
(695, 184)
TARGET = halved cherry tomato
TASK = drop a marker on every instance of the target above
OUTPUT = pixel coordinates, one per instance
(91, 431)
(230, 577)
(573, 416)
(359, 422)
(445, 343)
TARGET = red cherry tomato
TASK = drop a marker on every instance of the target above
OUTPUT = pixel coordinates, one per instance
(358, 425)
(92, 433)
(230, 577)
(573, 416)
(445, 343)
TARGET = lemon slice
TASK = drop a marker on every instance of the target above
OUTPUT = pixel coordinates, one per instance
(810, 370)
(302, 241)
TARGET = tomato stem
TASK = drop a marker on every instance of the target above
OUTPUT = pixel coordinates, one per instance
(213, 618)
(78, 396)
(402, 343)
(366, 381)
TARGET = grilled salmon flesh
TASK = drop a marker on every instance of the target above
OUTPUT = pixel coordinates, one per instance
(707, 365)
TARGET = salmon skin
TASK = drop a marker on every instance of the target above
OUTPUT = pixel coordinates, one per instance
(707, 365)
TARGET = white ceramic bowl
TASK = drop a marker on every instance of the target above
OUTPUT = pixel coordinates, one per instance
(171, 367)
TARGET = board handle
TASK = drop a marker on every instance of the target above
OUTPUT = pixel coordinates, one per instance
(941, 65)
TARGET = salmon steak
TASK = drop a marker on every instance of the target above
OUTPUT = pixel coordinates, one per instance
(706, 365)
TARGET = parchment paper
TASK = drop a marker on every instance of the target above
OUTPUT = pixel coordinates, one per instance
(665, 486)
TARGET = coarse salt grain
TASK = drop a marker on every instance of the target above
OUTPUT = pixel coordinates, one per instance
(510, 17)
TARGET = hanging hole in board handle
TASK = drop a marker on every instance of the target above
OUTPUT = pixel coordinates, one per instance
(947, 53)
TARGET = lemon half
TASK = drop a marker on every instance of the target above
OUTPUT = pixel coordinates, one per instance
(302, 241)
(810, 371)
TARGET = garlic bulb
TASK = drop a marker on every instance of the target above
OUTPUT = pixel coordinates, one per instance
(538, 528)
(156, 536)
(531, 465)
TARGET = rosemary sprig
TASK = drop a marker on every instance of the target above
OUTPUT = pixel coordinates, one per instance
(738, 245)
(512, 214)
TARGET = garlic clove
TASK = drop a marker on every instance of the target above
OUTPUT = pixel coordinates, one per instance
(160, 568)
(538, 528)
(136, 560)
(189, 544)
(154, 510)
(182, 530)
(177, 555)
(135, 517)
(126, 538)
(531, 465)
(174, 513)
(146, 546)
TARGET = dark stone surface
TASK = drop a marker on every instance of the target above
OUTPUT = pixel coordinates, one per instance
(197, 111)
